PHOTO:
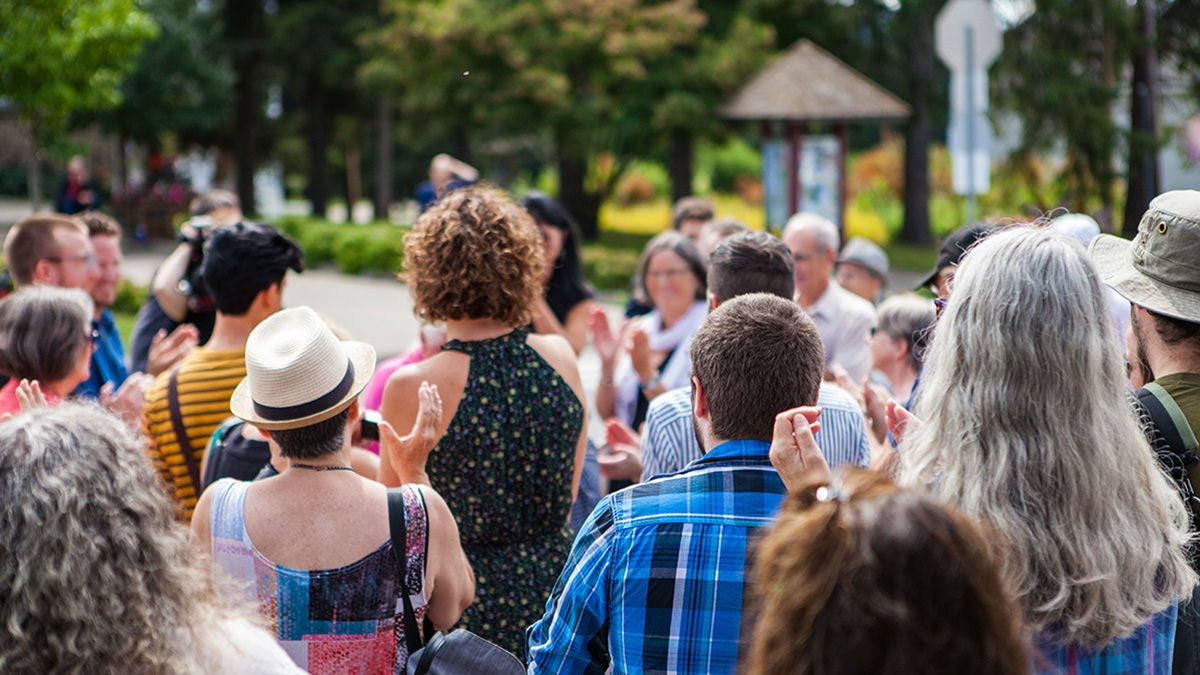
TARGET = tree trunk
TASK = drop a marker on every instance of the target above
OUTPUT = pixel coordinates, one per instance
(916, 228)
(582, 207)
(383, 156)
(1142, 180)
(681, 155)
(246, 30)
(35, 169)
(316, 132)
(354, 191)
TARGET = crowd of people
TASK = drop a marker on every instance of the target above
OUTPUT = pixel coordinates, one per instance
(802, 470)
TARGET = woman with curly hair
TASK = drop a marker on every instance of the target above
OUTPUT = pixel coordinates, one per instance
(508, 460)
(861, 576)
(96, 574)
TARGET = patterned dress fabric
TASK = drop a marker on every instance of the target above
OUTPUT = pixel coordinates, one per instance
(504, 466)
(345, 620)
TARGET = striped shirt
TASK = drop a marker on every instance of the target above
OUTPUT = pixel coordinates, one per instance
(1147, 651)
(662, 568)
(670, 444)
(206, 381)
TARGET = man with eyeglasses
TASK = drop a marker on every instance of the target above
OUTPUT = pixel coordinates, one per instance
(50, 249)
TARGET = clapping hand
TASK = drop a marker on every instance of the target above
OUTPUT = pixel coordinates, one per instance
(408, 454)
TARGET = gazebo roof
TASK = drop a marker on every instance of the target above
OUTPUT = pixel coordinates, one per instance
(808, 84)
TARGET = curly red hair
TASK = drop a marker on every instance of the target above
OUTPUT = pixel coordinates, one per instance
(474, 255)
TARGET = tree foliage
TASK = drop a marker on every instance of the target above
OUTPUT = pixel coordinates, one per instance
(59, 56)
(180, 80)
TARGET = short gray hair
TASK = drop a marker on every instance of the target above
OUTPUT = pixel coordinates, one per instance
(907, 317)
(42, 330)
(827, 235)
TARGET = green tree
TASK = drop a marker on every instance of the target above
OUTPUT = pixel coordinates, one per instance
(180, 81)
(316, 45)
(1059, 73)
(58, 57)
(560, 68)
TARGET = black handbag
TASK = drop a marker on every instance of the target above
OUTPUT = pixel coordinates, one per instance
(458, 652)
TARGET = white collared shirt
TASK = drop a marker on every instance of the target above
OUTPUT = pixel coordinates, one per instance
(844, 321)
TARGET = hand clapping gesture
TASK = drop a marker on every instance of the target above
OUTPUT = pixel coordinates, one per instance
(409, 453)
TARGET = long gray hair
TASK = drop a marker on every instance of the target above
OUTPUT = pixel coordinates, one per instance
(96, 573)
(1026, 426)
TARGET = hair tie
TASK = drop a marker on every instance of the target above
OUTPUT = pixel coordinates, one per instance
(828, 493)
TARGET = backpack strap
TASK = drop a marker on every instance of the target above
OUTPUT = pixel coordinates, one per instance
(181, 434)
(1169, 419)
(396, 510)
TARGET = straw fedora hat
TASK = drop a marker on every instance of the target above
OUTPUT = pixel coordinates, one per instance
(1160, 268)
(298, 373)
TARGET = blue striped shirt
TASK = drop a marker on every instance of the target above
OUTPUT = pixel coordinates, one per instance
(661, 566)
(1147, 651)
(669, 443)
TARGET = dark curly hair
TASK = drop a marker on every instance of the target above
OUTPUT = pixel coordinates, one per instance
(474, 255)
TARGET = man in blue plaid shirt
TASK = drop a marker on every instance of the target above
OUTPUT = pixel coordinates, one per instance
(656, 580)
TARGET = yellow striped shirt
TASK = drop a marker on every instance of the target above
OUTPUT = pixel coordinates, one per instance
(206, 381)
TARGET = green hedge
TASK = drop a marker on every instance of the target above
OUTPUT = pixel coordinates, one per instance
(353, 249)
(608, 264)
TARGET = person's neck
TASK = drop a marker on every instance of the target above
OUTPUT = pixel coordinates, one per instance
(807, 301)
(1169, 360)
(60, 389)
(469, 330)
(339, 458)
(672, 318)
(230, 332)
(902, 378)
(99, 311)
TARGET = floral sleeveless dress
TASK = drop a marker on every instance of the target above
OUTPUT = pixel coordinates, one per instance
(505, 466)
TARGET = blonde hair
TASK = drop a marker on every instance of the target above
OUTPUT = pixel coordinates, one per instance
(97, 574)
(1026, 426)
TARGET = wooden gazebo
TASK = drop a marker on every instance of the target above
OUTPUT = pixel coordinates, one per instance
(808, 85)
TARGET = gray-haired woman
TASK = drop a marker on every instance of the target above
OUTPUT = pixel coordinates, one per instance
(97, 575)
(45, 336)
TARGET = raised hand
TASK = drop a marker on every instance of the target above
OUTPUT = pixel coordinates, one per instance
(167, 350)
(603, 340)
(129, 400)
(408, 454)
(794, 451)
(30, 396)
(900, 420)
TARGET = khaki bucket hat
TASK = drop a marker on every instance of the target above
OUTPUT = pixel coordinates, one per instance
(1160, 268)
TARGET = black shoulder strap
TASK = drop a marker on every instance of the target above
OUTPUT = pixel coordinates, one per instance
(412, 632)
(181, 434)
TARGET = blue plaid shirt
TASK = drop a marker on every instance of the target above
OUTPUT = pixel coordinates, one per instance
(1148, 651)
(661, 567)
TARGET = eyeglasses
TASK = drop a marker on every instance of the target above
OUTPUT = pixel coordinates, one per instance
(89, 258)
(666, 274)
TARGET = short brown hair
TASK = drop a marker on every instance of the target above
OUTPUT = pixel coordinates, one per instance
(42, 329)
(751, 262)
(100, 224)
(474, 254)
(691, 208)
(867, 577)
(756, 356)
(32, 241)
